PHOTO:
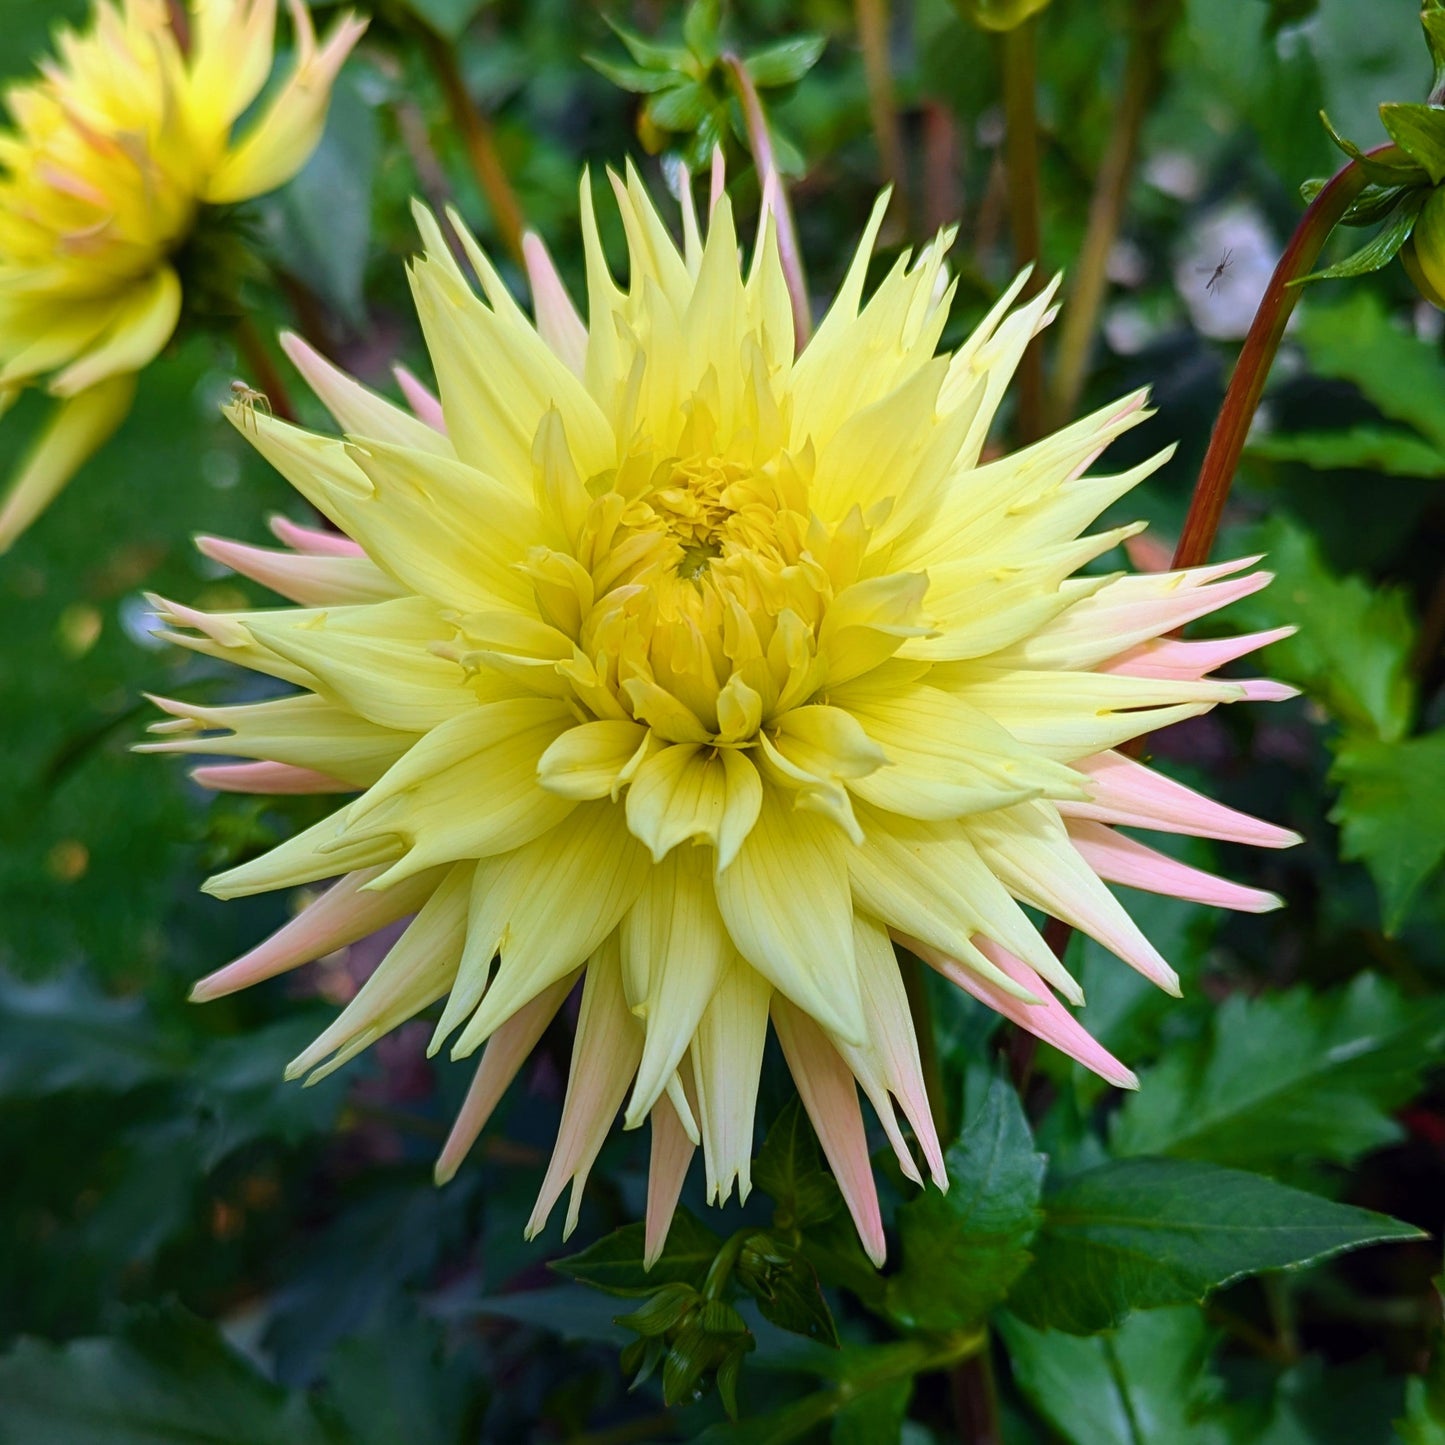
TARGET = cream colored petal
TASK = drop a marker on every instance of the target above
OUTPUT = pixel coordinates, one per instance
(416, 972)
(588, 761)
(787, 905)
(674, 952)
(315, 853)
(141, 327)
(727, 1058)
(506, 1051)
(281, 141)
(825, 1085)
(75, 432)
(340, 915)
(693, 791)
(604, 1058)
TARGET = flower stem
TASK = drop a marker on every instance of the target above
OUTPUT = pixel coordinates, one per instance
(873, 25)
(760, 142)
(1246, 386)
(975, 1400)
(477, 135)
(251, 350)
(1106, 210)
(1021, 156)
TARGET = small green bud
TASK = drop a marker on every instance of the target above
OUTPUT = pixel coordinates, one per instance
(1423, 255)
(1000, 14)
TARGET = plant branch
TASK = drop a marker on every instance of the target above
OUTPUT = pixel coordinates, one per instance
(1246, 386)
(1021, 156)
(1106, 211)
(477, 135)
(975, 1400)
(760, 142)
(251, 350)
(873, 26)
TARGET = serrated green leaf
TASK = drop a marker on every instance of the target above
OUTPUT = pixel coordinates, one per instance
(634, 78)
(1352, 650)
(1146, 1381)
(614, 1262)
(1285, 1078)
(1366, 447)
(165, 1376)
(789, 1170)
(962, 1250)
(1380, 250)
(785, 63)
(1356, 340)
(681, 108)
(1390, 811)
(785, 1286)
(1142, 1233)
(1419, 131)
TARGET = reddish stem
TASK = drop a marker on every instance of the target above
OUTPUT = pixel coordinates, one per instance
(1246, 386)
(269, 381)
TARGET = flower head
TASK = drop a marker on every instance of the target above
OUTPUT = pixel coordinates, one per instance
(670, 662)
(113, 151)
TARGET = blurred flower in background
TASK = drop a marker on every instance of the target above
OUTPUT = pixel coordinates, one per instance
(116, 154)
(670, 662)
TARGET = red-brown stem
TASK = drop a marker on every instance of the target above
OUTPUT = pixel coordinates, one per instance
(1021, 156)
(760, 142)
(263, 370)
(942, 168)
(477, 136)
(873, 26)
(1251, 371)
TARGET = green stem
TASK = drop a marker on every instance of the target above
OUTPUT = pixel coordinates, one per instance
(252, 351)
(1021, 156)
(873, 25)
(477, 136)
(721, 1268)
(760, 142)
(1246, 386)
(1106, 211)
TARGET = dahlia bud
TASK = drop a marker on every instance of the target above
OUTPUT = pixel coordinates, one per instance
(1423, 255)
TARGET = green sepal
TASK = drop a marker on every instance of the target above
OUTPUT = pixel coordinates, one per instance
(1419, 131)
(1380, 250)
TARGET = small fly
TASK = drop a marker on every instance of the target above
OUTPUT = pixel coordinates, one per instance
(1216, 276)
(249, 400)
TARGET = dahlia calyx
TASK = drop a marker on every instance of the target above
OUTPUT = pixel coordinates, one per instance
(667, 661)
(114, 150)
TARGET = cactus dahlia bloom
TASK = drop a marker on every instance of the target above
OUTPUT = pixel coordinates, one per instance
(112, 153)
(671, 664)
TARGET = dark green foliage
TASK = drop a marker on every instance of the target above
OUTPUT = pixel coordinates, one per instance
(1140, 1233)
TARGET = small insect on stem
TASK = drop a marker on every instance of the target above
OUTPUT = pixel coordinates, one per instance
(249, 399)
(1216, 275)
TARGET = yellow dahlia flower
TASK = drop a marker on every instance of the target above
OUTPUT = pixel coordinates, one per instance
(670, 664)
(112, 152)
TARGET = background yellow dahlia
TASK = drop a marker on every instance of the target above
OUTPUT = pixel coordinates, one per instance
(111, 153)
(670, 663)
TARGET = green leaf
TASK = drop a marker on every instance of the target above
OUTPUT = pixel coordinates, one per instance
(1392, 800)
(681, 108)
(789, 1170)
(166, 1376)
(785, 63)
(320, 224)
(1356, 340)
(962, 1250)
(65, 1034)
(1352, 650)
(1365, 447)
(1143, 1383)
(633, 78)
(651, 56)
(874, 1418)
(1380, 250)
(1287, 1077)
(1419, 131)
(1141, 1233)
(614, 1262)
(785, 1285)
(700, 29)
(1424, 1421)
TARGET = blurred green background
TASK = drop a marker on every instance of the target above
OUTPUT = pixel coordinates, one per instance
(192, 1251)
